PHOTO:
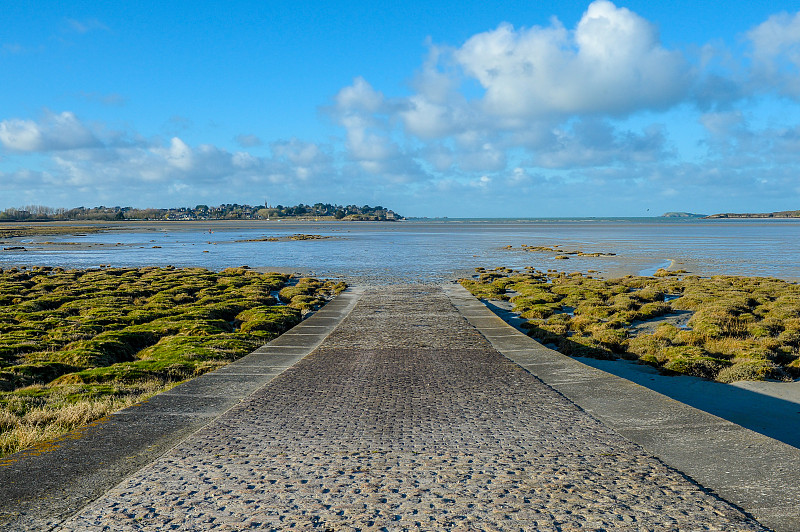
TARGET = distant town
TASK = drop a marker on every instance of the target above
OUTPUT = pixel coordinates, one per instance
(226, 211)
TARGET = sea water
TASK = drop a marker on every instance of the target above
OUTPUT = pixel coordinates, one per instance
(432, 250)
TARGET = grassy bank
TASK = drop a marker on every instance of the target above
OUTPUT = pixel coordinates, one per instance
(721, 328)
(76, 345)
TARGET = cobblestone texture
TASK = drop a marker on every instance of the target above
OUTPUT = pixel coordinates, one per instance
(406, 419)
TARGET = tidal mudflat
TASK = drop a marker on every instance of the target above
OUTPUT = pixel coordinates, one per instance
(78, 344)
(424, 250)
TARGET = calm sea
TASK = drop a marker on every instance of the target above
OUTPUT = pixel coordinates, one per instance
(434, 250)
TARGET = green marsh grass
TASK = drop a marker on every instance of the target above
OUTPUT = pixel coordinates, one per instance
(741, 328)
(76, 345)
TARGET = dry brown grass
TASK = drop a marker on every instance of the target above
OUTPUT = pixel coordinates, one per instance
(23, 423)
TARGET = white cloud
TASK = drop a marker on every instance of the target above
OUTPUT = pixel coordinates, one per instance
(300, 152)
(428, 120)
(54, 132)
(178, 154)
(776, 54)
(366, 145)
(244, 160)
(358, 108)
(112, 165)
(156, 165)
(20, 135)
(368, 119)
(359, 97)
(305, 160)
(536, 82)
(438, 109)
(593, 142)
(611, 63)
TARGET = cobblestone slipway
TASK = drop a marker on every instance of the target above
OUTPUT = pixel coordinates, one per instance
(405, 418)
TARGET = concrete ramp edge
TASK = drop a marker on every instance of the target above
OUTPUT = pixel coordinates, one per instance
(757, 473)
(41, 486)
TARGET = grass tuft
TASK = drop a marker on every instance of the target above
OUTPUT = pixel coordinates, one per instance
(76, 345)
(741, 328)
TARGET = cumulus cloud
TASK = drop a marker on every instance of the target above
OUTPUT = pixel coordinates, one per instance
(611, 63)
(438, 109)
(359, 98)
(545, 90)
(164, 165)
(367, 118)
(305, 160)
(358, 108)
(108, 163)
(554, 99)
(594, 142)
(428, 120)
(54, 132)
(178, 154)
(776, 53)
(300, 152)
(735, 144)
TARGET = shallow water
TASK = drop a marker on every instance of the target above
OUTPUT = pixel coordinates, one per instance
(433, 250)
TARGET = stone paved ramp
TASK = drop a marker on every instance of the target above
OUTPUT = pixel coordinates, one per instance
(405, 418)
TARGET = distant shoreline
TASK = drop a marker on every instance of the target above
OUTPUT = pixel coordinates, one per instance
(778, 214)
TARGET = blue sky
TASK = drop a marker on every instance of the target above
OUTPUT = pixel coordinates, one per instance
(449, 108)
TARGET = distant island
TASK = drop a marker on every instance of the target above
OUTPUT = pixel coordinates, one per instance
(682, 215)
(226, 211)
(778, 214)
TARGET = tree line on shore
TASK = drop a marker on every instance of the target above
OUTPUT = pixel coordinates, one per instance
(226, 211)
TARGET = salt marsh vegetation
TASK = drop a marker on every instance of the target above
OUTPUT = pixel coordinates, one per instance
(741, 328)
(76, 345)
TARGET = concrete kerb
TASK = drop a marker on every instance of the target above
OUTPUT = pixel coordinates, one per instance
(759, 474)
(41, 486)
